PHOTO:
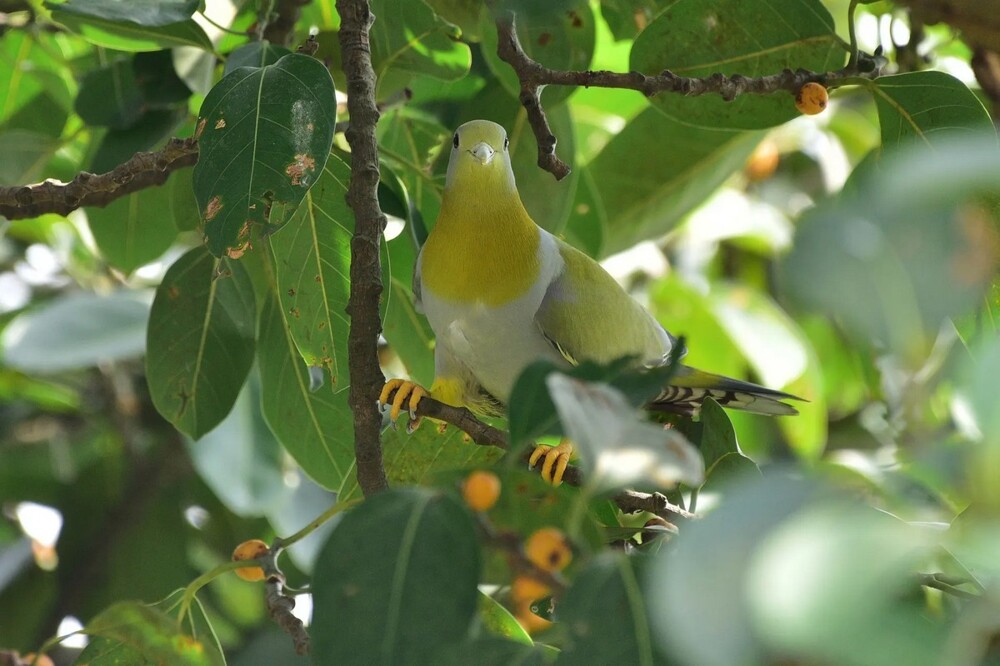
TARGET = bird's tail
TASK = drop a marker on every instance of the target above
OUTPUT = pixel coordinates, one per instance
(688, 388)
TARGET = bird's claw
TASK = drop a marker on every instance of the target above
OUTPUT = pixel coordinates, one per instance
(556, 460)
(402, 391)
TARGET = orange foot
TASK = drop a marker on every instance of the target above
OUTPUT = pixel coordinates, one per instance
(555, 456)
(402, 391)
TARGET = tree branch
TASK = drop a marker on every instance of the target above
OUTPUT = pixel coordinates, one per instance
(483, 434)
(366, 272)
(142, 170)
(533, 76)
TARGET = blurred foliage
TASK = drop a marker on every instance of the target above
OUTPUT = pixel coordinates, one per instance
(160, 404)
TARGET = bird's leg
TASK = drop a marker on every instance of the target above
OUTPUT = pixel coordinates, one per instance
(402, 391)
(556, 460)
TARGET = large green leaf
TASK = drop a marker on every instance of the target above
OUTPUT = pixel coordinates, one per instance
(135, 229)
(316, 427)
(409, 39)
(25, 155)
(559, 39)
(154, 127)
(396, 581)
(77, 330)
(29, 70)
(417, 458)
(128, 36)
(254, 54)
(264, 136)
(700, 38)
(931, 106)
(657, 170)
(201, 340)
(132, 633)
(152, 13)
(312, 257)
(606, 615)
(109, 96)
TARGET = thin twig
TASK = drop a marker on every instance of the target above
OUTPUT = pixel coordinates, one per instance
(369, 222)
(533, 76)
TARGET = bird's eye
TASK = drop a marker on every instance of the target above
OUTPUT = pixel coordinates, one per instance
(454, 140)
(506, 142)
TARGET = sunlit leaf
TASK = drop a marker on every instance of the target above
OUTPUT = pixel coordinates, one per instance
(700, 38)
(151, 13)
(128, 36)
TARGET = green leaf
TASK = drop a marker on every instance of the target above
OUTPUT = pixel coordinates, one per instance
(618, 447)
(912, 237)
(128, 36)
(133, 633)
(158, 81)
(25, 155)
(930, 106)
(264, 137)
(316, 428)
(499, 622)
(559, 40)
(152, 13)
(254, 54)
(492, 651)
(405, 329)
(713, 433)
(417, 458)
(533, 413)
(658, 169)
(312, 260)
(463, 13)
(409, 39)
(385, 590)
(240, 459)
(154, 127)
(109, 96)
(27, 68)
(77, 330)
(725, 470)
(135, 229)
(699, 38)
(183, 205)
(606, 616)
(201, 341)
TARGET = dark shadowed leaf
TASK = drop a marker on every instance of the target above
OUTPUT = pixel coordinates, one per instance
(264, 137)
(699, 38)
(201, 341)
(135, 229)
(606, 615)
(254, 54)
(154, 127)
(151, 13)
(110, 97)
(396, 581)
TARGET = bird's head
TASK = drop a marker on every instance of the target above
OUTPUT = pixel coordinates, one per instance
(479, 159)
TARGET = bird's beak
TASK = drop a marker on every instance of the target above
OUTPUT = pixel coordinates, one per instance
(483, 152)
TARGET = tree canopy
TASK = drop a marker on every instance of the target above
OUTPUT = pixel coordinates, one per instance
(210, 214)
